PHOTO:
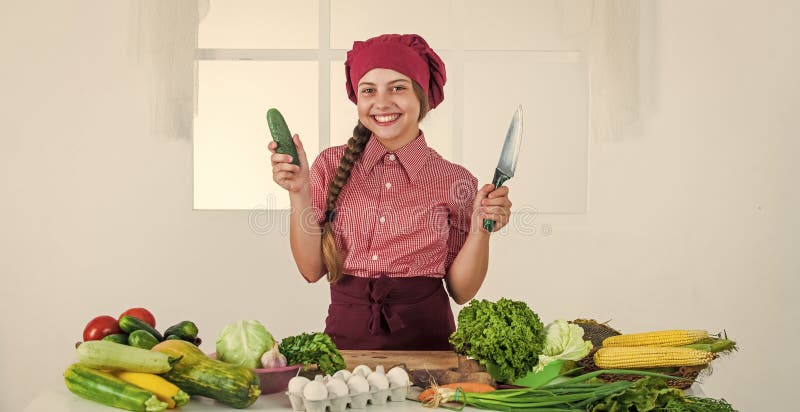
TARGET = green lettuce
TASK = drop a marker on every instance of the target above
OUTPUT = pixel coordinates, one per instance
(506, 337)
(563, 341)
(243, 343)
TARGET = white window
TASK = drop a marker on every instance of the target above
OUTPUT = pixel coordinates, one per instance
(254, 55)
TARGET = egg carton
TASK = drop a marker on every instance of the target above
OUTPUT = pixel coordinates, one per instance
(374, 397)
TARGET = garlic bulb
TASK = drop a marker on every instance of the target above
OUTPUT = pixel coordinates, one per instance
(315, 390)
(297, 384)
(397, 377)
(357, 384)
(378, 380)
(337, 387)
(343, 374)
(273, 358)
(362, 370)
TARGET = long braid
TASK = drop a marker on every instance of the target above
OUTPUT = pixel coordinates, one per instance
(331, 256)
(355, 147)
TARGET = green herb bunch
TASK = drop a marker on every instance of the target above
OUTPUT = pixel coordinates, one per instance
(507, 337)
(312, 348)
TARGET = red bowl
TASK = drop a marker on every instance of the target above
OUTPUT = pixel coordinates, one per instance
(273, 379)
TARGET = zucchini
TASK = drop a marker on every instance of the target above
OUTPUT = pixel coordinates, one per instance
(105, 388)
(185, 330)
(118, 338)
(130, 324)
(107, 355)
(281, 135)
(142, 339)
(233, 385)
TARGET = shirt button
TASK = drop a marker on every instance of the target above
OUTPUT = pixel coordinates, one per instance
(391, 157)
(382, 219)
(374, 257)
(388, 185)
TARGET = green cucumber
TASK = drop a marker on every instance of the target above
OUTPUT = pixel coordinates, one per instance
(130, 324)
(142, 339)
(112, 356)
(185, 330)
(105, 388)
(281, 135)
(118, 338)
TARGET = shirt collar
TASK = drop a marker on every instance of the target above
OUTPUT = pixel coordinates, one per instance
(412, 156)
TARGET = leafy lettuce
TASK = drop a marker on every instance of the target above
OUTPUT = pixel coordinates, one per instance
(505, 336)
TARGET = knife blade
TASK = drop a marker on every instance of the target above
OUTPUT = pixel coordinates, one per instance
(508, 158)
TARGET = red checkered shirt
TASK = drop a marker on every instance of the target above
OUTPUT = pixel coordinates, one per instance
(402, 213)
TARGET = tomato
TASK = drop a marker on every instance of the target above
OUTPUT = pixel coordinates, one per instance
(142, 314)
(100, 327)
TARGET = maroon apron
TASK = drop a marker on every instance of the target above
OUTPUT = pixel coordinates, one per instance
(411, 313)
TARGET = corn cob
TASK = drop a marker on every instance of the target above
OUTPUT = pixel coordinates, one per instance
(659, 338)
(165, 390)
(650, 357)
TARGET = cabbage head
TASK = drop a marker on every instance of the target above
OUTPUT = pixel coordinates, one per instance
(563, 341)
(243, 343)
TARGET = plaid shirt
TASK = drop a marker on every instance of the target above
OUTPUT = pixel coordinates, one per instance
(402, 213)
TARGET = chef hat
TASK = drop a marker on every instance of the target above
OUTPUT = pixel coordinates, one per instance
(406, 53)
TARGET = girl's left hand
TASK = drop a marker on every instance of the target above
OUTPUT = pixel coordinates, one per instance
(492, 204)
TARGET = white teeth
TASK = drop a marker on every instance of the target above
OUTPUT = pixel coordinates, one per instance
(387, 118)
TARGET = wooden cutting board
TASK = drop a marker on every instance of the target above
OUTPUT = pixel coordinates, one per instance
(411, 359)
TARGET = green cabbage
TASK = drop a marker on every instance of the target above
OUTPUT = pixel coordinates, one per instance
(243, 343)
(563, 341)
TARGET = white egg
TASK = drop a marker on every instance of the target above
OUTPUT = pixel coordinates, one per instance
(343, 374)
(397, 377)
(362, 370)
(378, 380)
(357, 384)
(337, 388)
(315, 391)
(297, 384)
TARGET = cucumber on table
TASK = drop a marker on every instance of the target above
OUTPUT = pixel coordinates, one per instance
(185, 330)
(142, 339)
(118, 338)
(281, 135)
(129, 324)
(105, 388)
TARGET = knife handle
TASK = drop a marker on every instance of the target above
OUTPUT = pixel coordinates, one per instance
(499, 179)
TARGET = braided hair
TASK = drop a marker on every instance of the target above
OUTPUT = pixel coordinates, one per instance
(331, 255)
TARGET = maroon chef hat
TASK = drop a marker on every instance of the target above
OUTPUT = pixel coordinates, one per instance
(406, 53)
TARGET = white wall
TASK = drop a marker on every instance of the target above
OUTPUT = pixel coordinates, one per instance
(690, 221)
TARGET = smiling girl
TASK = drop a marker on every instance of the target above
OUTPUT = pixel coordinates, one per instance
(385, 216)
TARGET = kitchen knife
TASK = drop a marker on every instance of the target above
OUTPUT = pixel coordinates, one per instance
(508, 157)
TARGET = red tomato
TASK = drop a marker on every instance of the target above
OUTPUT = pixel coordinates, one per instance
(100, 327)
(141, 314)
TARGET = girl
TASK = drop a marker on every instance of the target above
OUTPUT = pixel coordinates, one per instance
(385, 216)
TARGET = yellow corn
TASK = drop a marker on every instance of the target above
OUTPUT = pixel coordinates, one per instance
(165, 390)
(649, 357)
(658, 338)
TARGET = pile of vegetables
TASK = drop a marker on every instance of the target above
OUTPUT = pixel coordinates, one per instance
(313, 349)
(137, 327)
(506, 337)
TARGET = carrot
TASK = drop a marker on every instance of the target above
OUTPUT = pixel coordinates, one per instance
(469, 387)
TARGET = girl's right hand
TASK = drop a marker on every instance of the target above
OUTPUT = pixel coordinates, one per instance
(287, 175)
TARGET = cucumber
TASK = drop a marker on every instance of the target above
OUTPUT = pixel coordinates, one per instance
(281, 135)
(185, 330)
(107, 355)
(105, 388)
(130, 324)
(118, 338)
(142, 339)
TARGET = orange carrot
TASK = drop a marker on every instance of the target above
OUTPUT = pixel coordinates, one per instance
(468, 387)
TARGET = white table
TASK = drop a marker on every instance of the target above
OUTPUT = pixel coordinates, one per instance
(57, 398)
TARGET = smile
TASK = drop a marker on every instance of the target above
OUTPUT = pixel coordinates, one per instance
(386, 118)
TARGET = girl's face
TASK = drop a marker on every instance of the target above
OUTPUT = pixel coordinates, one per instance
(388, 107)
